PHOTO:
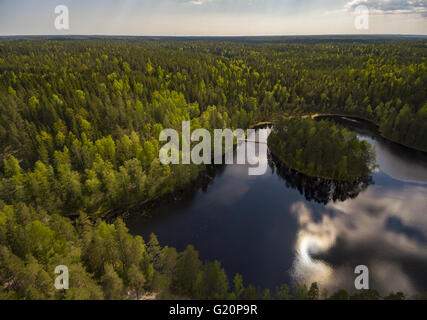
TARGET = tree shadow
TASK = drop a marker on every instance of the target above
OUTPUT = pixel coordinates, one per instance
(317, 189)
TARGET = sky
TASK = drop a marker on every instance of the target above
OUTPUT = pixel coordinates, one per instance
(215, 17)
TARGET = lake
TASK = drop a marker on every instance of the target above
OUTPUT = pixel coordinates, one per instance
(283, 227)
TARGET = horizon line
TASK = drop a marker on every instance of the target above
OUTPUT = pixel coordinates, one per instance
(217, 36)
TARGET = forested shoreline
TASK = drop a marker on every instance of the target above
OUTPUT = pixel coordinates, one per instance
(322, 149)
(80, 121)
(106, 262)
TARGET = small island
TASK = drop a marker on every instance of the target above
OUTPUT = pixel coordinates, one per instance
(321, 149)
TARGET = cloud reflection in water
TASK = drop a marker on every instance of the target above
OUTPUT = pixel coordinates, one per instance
(357, 232)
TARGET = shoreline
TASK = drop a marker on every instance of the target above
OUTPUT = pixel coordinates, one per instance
(313, 176)
(342, 116)
(204, 177)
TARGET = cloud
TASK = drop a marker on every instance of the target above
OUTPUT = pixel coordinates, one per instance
(198, 2)
(390, 6)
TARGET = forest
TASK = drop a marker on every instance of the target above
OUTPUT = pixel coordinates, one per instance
(79, 125)
(321, 149)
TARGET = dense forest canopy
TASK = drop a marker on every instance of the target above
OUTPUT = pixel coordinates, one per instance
(80, 119)
(79, 126)
(321, 149)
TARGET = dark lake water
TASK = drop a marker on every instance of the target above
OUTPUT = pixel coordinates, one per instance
(283, 227)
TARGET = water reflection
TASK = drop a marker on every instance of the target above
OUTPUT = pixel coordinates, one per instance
(283, 227)
(397, 161)
(383, 227)
(363, 231)
(394, 160)
(316, 189)
(312, 239)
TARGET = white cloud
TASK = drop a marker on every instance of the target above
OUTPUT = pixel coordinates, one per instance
(198, 2)
(390, 6)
